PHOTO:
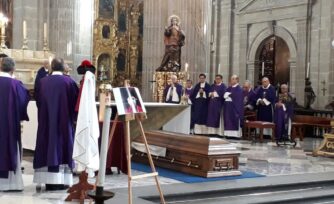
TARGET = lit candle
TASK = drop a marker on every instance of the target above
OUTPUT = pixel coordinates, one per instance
(24, 30)
(3, 28)
(186, 67)
(50, 60)
(262, 68)
(45, 31)
(308, 70)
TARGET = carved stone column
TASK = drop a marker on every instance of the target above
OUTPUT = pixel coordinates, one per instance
(293, 67)
(134, 30)
(301, 60)
(243, 30)
(250, 72)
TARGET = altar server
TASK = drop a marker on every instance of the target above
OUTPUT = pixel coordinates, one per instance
(86, 149)
(233, 109)
(283, 113)
(13, 108)
(200, 100)
(265, 101)
(53, 161)
(215, 121)
(173, 91)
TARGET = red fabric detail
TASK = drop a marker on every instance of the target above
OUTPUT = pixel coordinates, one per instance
(116, 153)
(86, 63)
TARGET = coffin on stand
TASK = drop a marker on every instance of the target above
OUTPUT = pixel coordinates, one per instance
(196, 155)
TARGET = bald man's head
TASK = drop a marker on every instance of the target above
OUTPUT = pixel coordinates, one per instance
(234, 79)
(247, 85)
(265, 82)
(284, 88)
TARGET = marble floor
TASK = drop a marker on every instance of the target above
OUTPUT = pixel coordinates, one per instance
(263, 158)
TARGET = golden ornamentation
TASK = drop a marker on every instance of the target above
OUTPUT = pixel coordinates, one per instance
(162, 79)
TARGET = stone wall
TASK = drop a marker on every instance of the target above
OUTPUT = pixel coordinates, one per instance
(196, 24)
(69, 27)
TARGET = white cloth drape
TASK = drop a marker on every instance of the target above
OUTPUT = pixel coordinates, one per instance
(86, 149)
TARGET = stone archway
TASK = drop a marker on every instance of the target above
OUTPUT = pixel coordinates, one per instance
(262, 36)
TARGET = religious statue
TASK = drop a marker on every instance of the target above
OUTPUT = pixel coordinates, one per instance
(174, 39)
(309, 94)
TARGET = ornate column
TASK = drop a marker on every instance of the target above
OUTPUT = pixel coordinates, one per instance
(292, 85)
(134, 33)
(299, 79)
(250, 72)
(243, 46)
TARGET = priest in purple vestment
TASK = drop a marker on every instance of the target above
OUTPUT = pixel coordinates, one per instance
(187, 93)
(173, 92)
(215, 121)
(233, 109)
(283, 113)
(200, 100)
(265, 101)
(249, 96)
(53, 162)
(13, 108)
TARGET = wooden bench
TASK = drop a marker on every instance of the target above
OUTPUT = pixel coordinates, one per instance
(321, 125)
(260, 125)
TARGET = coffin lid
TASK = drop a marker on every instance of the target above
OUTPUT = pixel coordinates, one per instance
(189, 143)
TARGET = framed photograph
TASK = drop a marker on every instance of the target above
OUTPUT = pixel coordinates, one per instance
(128, 101)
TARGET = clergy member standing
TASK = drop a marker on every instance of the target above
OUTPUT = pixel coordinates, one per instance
(187, 93)
(249, 96)
(41, 73)
(283, 113)
(173, 91)
(200, 100)
(53, 161)
(86, 148)
(265, 101)
(233, 109)
(13, 108)
(215, 121)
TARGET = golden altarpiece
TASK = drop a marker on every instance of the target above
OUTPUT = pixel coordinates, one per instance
(117, 41)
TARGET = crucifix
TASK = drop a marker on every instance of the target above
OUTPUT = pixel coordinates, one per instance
(324, 88)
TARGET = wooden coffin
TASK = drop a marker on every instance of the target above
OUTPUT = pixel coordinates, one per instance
(197, 155)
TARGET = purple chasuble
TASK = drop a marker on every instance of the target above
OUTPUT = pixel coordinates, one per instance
(249, 99)
(282, 117)
(265, 112)
(200, 104)
(216, 105)
(234, 110)
(55, 133)
(13, 108)
(188, 92)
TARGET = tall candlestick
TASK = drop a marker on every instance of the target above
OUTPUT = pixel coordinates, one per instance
(24, 30)
(308, 70)
(262, 68)
(45, 31)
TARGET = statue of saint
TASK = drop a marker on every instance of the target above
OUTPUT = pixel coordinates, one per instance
(174, 40)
